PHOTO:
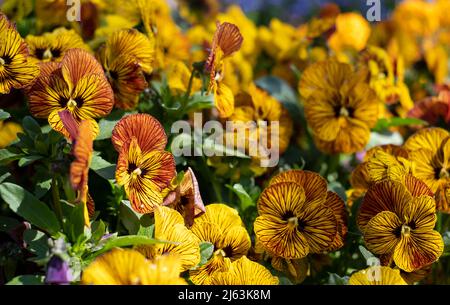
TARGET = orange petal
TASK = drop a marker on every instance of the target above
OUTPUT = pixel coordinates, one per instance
(148, 131)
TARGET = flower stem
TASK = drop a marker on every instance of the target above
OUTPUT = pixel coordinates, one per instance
(56, 200)
(189, 88)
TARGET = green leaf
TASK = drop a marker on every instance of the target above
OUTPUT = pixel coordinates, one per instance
(126, 241)
(42, 187)
(103, 168)
(98, 230)
(366, 253)
(384, 124)
(74, 224)
(4, 177)
(129, 218)
(335, 279)
(282, 91)
(31, 126)
(446, 237)
(146, 231)
(27, 160)
(4, 115)
(206, 250)
(27, 280)
(244, 197)
(337, 187)
(218, 149)
(37, 243)
(107, 124)
(6, 156)
(199, 102)
(29, 207)
(8, 223)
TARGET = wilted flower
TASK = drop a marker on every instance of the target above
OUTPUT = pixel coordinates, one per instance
(186, 198)
(82, 137)
(227, 40)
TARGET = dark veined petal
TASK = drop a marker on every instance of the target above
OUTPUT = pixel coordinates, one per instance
(15, 69)
(78, 63)
(222, 216)
(337, 205)
(429, 138)
(418, 249)
(421, 213)
(203, 274)
(169, 226)
(382, 232)
(244, 272)
(133, 43)
(159, 166)
(383, 196)
(228, 38)
(280, 238)
(319, 225)
(94, 97)
(314, 185)
(44, 96)
(127, 80)
(416, 186)
(148, 131)
(56, 123)
(235, 242)
(281, 200)
(223, 99)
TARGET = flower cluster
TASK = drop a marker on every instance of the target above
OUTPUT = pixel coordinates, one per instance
(354, 115)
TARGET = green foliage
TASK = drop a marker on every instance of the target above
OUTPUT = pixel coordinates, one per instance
(29, 207)
(206, 251)
(384, 124)
(27, 280)
(4, 115)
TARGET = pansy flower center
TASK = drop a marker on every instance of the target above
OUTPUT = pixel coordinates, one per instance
(443, 173)
(406, 230)
(5, 60)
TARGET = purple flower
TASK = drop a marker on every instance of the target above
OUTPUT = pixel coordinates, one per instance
(58, 271)
(360, 156)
